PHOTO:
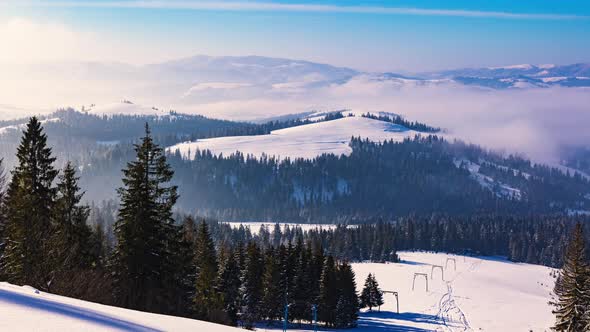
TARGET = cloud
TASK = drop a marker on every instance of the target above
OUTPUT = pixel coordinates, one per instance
(294, 7)
(214, 86)
(536, 122)
(23, 40)
(27, 41)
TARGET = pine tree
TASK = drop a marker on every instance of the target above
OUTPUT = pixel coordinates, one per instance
(287, 265)
(272, 302)
(347, 314)
(371, 295)
(251, 289)
(28, 204)
(182, 285)
(328, 294)
(228, 286)
(301, 309)
(206, 299)
(142, 263)
(70, 244)
(572, 287)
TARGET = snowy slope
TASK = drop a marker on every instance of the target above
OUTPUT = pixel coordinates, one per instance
(483, 294)
(19, 127)
(124, 108)
(25, 309)
(306, 141)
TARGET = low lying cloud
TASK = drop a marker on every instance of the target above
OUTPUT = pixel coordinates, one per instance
(536, 122)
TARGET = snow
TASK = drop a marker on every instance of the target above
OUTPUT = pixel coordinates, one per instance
(11, 128)
(307, 141)
(522, 66)
(124, 108)
(255, 226)
(546, 66)
(27, 309)
(482, 294)
(498, 188)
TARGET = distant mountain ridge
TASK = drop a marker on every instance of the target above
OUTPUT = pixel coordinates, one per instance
(519, 76)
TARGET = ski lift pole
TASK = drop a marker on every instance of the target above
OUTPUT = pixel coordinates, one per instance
(286, 319)
(314, 309)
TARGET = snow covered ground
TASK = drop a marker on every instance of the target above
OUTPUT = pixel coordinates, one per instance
(126, 108)
(255, 226)
(306, 141)
(482, 294)
(26, 309)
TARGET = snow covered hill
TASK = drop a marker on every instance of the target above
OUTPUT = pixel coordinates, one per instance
(26, 309)
(481, 294)
(307, 141)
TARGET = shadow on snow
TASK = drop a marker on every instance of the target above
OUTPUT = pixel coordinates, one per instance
(72, 312)
(370, 321)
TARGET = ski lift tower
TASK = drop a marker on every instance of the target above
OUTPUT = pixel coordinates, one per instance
(396, 298)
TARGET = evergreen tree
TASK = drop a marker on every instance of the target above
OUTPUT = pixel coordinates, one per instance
(182, 286)
(70, 245)
(328, 294)
(572, 287)
(371, 295)
(302, 300)
(142, 263)
(251, 289)
(206, 299)
(348, 302)
(228, 286)
(287, 264)
(272, 302)
(28, 204)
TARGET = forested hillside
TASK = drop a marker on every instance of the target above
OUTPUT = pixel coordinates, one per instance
(418, 176)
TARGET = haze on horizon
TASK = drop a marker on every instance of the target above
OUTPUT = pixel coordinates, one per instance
(44, 43)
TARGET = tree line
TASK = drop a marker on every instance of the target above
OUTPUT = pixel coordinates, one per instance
(397, 119)
(418, 176)
(155, 264)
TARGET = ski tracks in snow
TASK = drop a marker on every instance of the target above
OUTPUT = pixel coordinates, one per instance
(452, 317)
(449, 312)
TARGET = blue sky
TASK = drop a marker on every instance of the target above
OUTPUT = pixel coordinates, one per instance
(397, 35)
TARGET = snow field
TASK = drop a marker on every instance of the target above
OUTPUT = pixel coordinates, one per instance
(307, 141)
(483, 294)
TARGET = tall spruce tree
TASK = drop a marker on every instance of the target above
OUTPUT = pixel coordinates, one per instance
(182, 281)
(251, 289)
(371, 296)
(228, 286)
(572, 287)
(29, 200)
(142, 263)
(206, 300)
(70, 244)
(328, 293)
(348, 302)
(302, 299)
(272, 302)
